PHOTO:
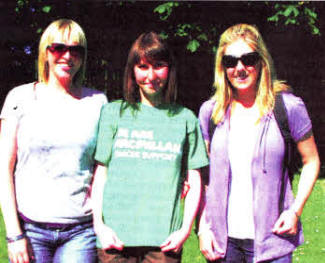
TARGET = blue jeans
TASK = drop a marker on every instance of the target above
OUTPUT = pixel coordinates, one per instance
(242, 251)
(76, 244)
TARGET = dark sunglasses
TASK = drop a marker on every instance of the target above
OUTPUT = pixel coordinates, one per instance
(249, 59)
(60, 49)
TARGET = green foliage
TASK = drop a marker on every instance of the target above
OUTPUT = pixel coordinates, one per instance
(163, 35)
(20, 5)
(34, 7)
(204, 35)
(183, 30)
(295, 13)
(165, 10)
(46, 9)
(193, 45)
(195, 35)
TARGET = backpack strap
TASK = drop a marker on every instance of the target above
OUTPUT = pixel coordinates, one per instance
(212, 127)
(281, 117)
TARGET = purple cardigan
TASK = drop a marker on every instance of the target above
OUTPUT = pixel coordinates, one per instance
(270, 190)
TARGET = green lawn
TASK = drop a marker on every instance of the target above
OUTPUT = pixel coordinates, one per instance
(313, 219)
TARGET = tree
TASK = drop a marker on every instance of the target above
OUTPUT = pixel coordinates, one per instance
(199, 33)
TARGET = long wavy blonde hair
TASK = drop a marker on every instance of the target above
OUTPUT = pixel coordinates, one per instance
(268, 85)
(67, 29)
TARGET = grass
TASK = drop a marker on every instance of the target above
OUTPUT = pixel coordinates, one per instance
(3, 244)
(313, 220)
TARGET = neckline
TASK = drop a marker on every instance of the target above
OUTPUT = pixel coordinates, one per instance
(55, 93)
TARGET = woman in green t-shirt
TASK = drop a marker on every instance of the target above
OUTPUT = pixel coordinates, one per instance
(147, 145)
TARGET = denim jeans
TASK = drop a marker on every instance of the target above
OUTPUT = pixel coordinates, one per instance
(242, 251)
(76, 244)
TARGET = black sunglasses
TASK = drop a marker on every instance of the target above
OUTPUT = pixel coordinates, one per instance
(60, 49)
(249, 59)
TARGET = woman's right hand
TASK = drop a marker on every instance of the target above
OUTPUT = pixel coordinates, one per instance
(18, 251)
(209, 246)
(108, 238)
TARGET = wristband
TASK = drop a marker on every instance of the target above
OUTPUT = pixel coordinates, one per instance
(15, 238)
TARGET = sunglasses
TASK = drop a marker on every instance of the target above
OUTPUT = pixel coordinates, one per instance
(59, 49)
(249, 59)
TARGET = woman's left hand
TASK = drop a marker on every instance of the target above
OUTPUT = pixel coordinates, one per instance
(175, 241)
(286, 223)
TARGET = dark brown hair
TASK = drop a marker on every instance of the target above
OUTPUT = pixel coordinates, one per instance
(153, 48)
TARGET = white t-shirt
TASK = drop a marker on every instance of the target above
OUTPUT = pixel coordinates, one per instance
(242, 138)
(56, 140)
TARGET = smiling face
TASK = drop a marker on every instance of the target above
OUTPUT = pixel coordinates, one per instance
(63, 66)
(151, 79)
(242, 77)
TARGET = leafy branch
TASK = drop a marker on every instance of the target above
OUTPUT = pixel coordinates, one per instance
(200, 34)
(296, 13)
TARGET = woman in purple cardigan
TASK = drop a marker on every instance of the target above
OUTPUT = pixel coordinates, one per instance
(250, 213)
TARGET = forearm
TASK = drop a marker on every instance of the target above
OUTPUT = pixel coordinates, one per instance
(100, 177)
(8, 205)
(204, 226)
(192, 199)
(8, 150)
(307, 180)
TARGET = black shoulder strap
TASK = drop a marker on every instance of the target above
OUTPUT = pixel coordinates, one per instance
(281, 117)
(212, 127)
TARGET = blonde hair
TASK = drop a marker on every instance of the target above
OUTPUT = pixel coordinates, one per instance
(68, 30)
(267, 83)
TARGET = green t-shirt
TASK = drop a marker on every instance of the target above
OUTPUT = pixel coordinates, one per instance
(146, 152)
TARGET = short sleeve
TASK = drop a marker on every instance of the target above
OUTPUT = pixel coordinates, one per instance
(106, 132)
(204, 118)
(100, 96)
(102, 99)
(13, 105)
(298, 118)
(196, 156)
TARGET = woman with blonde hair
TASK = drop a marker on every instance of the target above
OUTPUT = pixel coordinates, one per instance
(47, 141)
(250, 213)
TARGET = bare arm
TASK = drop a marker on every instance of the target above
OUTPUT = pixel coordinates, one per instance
(176, 240)
(106, 235)
(8, 149)
(287, 223)
(309, 173)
